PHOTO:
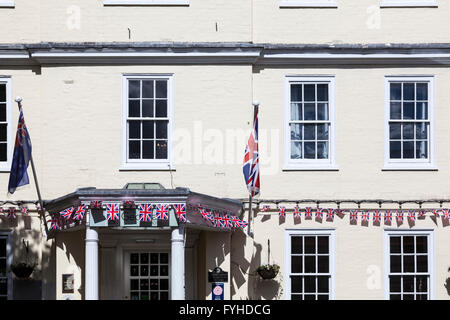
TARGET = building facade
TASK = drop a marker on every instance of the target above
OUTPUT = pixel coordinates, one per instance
(156, 95)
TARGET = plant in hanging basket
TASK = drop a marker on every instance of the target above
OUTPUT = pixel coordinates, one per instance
(268, 271)
(23, 270)
(129, 204)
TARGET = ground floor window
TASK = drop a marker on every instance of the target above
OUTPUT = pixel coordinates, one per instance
(409, 265)
(310, 265)
(148, 275)
(5, 281)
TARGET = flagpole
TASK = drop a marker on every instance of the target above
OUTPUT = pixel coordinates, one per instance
(250, 198)
(41, 204)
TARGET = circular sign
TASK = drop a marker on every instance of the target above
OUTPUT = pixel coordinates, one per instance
(217, 290)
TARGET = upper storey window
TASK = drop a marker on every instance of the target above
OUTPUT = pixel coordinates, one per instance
(145, 2)
(6, 3)
(309, 3)
(408, 3)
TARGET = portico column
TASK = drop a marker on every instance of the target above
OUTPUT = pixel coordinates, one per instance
(91, 265)
(177, 264)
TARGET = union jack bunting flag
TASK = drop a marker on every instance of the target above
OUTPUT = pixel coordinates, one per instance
(1, 209)
(265, 208)
(67, 213)
(227, 221)
(96, 204)
(436, 213)
(79, 213)
(421, 214)
(387, 217)
(446, 214)
(53, 224)
(180, 211)
(145, 212)
(112, 211)
(412, 215)
(399, 215)
(251, 160)
(236, 221)
(217, 221)
(282, 211)
(376, 216)
(24, 210)
(12, 213)
(319, 214)
(353, 216)
(162, 211)
(205, 214)
(243, 224)
(308, 213)
(365, 216)
(297, 212)
(330, 214)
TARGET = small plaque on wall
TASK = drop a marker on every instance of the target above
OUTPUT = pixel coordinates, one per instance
(68, 283)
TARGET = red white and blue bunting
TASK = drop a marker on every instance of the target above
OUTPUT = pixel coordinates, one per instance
(222, 220)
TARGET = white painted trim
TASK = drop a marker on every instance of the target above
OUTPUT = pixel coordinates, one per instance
(431, 256)
(5, 166)
(408, 3)
(144, 54)
(7, 4)
(287, 254)
(308, 4)
(150, 164)
(410, 164)
(146, 2)
(310, 164)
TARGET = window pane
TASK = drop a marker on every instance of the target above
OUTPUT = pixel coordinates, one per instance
(310, 92)
(408, 284)
(395, 284)
(164, 258)
(421, 130)
(395, 244)
(310, 131)
(296, 284)
(396, 110)
(296, 150)
(322, 111)
(144, 258)
(395, 297)
(396, 91)
(310, 111)
(296, 92)
(148, 129)
(161, 108)
(134, 108)
(408, 297)
(323, 284)
(3, 153)
(296, 111)
(408, 110)
(323, 264)
(322, 132)
(134, 271)
(161, 149)
(310, 150)
(134, 129)
(408, 244)
(296, 264)
(2, 111)
(147, 89)
(161, 89)
(296, 297)
(144, 284)
(147, 108)
(322, 243)
(408, 131)
(322, 150)
(154, 258)
(3, 286)
(421, 284)
(154, 285)
(310, 264)
(154, 271)
(296, 131)
(421, 244)
(161, 129)
(396, 263)
(395, 149)
(134, 258)
(296, 245)
(421, 297)
(422, 263)
(134, 89)
(310, 284)
(421, 150)
(322, 92)
(3, 136)
(148, 149)
(134, 284)
(134, 150)
(408, 150)
(421, 110)
(408, 91)
(163, 284)
(310, 244)
(422, 91)
(408, 264)
(2, 92)
(2, 247)
(164, 270)
(394, 131)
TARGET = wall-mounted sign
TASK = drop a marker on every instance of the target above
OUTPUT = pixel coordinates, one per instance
(68, 283)
(217, 291)
(217, 275)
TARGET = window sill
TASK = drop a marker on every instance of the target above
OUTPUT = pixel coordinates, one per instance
(409, 167)
(146, 2)
(408, 4)
(309, 167)
(147, 167)
(307, 4)
(7, 4)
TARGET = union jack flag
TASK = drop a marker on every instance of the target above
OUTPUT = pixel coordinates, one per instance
(67, 213)
(387, 217)
(412, 215)
(24, 210)
(236, 221)
(319, 213)
(162, 211)
(243, 224)
(297, 212)
(446, 213)
(96, 204)
(145, 212)
(79, 213)
(180, 211)
(353, 216)
(227, 221)
(1, 209)
(330, 214)
(399, 215)
(436, 213)
(112, 211)
(365, 216)
(308, 213)
(421, 214)
(265, 208)
(54, 225)
(251, 160)
(206, 214)
(282, 211)
(12, 213)
(376, 216)
(217, 221)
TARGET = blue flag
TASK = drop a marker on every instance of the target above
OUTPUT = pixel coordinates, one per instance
(21, 158)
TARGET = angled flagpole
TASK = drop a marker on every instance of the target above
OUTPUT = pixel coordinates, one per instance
(41, 204)
(250, 198)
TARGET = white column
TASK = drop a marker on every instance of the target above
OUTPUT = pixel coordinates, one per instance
(91, 265)
(177, 264)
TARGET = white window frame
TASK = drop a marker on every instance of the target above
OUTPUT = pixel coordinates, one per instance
(5, 166)
(410, 164)
(408, 3)
(146, 2)
(7, 4)
(9, 260)
(308, 4)
(287, 257)
(431, 264)
(147, 164)
(310, 164)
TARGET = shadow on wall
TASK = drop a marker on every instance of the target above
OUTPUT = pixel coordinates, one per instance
(447, 283)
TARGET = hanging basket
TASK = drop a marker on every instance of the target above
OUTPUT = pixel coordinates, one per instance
(268, 271)
(22, 270)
